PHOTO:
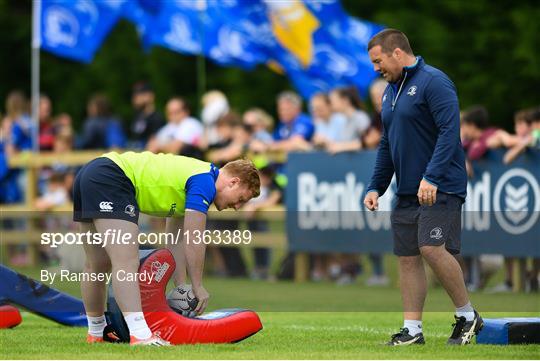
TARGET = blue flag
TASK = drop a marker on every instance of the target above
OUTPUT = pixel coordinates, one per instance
(75, 29)
(316, 44)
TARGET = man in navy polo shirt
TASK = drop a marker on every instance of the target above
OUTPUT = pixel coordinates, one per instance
(421, 145)
(295, 128)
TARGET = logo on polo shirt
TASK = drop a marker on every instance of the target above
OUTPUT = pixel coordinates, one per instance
(412, 91)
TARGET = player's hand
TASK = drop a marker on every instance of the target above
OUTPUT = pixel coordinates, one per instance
(427, 193)
(203, 296)
(371, 201)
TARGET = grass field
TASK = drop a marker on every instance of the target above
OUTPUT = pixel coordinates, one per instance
(297, 325)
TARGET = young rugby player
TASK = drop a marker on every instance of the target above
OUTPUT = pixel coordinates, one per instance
(108, 194)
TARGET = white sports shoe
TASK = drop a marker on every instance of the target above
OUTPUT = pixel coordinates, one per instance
(154, 340)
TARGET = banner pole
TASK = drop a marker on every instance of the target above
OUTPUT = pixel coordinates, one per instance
(36, 45)
(201, 61)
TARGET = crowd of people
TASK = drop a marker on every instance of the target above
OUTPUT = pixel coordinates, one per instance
(335, 122)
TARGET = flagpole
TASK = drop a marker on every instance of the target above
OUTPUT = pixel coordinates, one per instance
(201, 60)
(36, 45)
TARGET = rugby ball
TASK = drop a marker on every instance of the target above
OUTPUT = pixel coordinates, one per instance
(183, 301)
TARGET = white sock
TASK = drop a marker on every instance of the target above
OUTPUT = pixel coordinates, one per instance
(466, 311)
(137, 325)
(96, 325)
(414, 326)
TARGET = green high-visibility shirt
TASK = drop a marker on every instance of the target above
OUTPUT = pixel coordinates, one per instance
(167, 184)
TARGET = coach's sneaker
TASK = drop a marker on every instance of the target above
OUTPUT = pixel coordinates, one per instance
(465, 330)
(403, 338)
(93, 339)
(154, 340)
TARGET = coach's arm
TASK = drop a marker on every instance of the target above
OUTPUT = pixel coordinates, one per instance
(382, 174)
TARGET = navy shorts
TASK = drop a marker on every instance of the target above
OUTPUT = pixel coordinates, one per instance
(102, 190)
(415, 226)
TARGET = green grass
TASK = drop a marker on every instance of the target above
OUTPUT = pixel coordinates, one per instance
(296, 326)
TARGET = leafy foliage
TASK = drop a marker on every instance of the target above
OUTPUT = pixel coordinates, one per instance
(488, 48)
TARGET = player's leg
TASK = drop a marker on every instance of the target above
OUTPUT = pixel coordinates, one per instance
(448, 271)
(124, 265)
(413, 285)
(93, 292)
(104, 195)
(439, 231)
(412, 276)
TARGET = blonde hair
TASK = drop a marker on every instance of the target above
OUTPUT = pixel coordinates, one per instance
(263, 118)
(248, 174)
(16, 104)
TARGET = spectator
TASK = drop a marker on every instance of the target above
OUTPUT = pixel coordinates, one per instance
(476, 131)
(376, 91)
(101, 130)
(270, 196)
(182, 133)
(55, 195)
(17, 124)
(329, 126)
(261, 124)
(15, 136)
(522, 128)
(373, 135)
(147, 119)
(46, 126)
(348, 102)
(295, 129)
(234, 139)
(530, 139)
(215, 106)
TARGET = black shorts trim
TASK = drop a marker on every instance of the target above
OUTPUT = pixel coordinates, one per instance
(102, 190)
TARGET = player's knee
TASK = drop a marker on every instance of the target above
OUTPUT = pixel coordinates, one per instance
(409, 261)
(97, 266)
(129, 265)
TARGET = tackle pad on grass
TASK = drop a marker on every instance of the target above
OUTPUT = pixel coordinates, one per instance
(220, 326)
(40, 298)
(507, 331)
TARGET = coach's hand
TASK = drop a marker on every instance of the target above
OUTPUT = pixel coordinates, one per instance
(371, 201)
(427, 193)
(203, 296)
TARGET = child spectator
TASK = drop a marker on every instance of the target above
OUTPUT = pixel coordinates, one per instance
(530, 140)
(522, 128)
(261, 124)
(235, 140)
(476, 131)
